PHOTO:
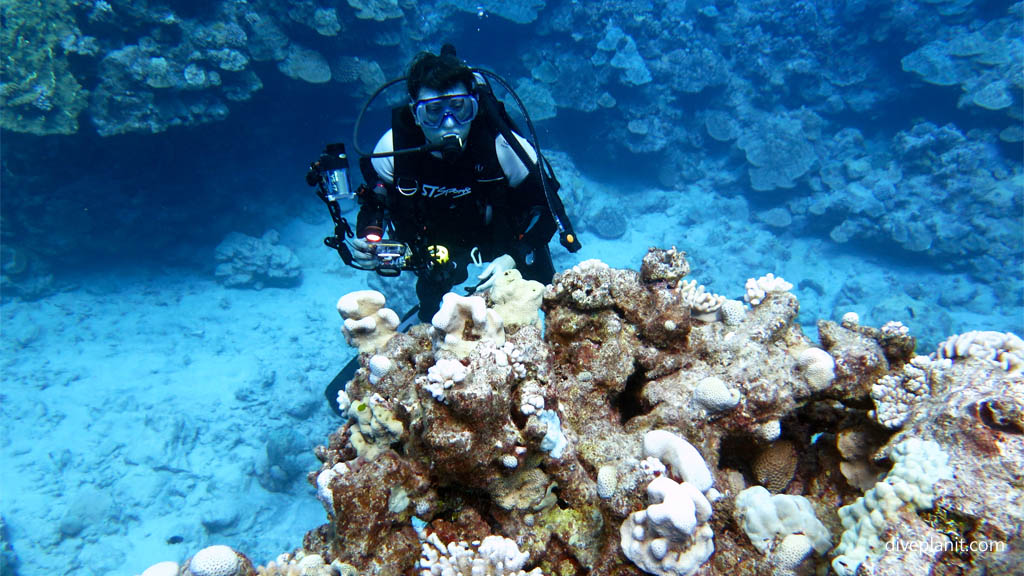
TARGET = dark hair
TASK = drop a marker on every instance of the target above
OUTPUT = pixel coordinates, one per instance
(437, 73)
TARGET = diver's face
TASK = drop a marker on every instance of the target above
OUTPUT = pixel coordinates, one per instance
(449, 123)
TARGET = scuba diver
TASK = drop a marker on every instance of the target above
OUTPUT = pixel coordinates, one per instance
(452, 183)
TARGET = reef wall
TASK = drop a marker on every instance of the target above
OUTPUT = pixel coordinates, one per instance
(770, 96)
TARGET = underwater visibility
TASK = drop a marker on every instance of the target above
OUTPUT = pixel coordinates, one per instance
(520, 287)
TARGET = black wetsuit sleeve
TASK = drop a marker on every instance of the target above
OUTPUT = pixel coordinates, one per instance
(533, 224)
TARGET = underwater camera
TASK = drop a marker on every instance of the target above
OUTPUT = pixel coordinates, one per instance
(390, 258)
(331, 173)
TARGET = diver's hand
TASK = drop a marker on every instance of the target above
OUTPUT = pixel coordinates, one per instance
(493, 271)
(362, 253)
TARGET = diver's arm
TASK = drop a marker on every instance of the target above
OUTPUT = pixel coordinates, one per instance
(385, 166)
(526, 201)
(538, 226)
(510, 163)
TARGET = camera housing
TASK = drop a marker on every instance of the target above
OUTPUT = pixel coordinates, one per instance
(389, 257)
(331, 173)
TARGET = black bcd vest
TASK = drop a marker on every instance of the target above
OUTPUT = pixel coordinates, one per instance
(440, 202)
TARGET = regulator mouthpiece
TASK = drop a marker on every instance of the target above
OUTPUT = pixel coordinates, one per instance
(451, 147)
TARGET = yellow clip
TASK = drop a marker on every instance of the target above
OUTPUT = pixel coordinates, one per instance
(438, 253)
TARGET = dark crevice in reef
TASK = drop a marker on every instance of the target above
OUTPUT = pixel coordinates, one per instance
(738, 452)
(629, 403)
(812, 417)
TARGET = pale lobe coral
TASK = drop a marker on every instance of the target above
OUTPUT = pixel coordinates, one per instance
(919, 464)
(672, 536)
(767, 518)
(463, 322)
(368, 324)
(516, 300)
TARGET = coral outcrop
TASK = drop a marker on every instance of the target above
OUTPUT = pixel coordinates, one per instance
(40, 94)
(634, 436)
(248, 262)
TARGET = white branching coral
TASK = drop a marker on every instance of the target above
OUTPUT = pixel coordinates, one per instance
(896, 394)
(531, 398)
(494, 556)
(895, 328)
(508, 355)
(368, 324)
(301, 564)
(700, 302)
(758, 290)
(651, 467)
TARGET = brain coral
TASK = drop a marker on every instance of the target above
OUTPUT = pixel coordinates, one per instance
(775, 465)
(818, 367)
(216, 560)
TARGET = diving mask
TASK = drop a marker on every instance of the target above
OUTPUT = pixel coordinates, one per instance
(431, 113)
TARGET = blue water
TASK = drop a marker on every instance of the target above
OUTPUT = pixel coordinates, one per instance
(148, 410)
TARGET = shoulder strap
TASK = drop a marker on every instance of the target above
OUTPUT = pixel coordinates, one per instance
(405, 134)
